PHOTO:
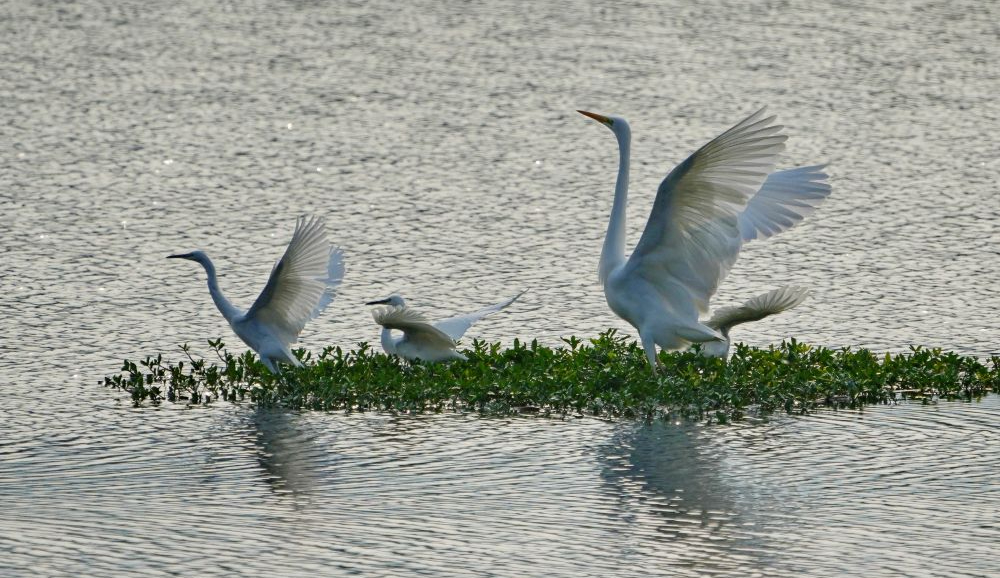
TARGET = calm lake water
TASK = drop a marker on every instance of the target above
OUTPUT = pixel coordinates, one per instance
(440, 142)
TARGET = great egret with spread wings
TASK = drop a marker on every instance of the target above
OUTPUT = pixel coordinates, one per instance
(301, 285)
(753, 309)
(423, 339)
(722, 195)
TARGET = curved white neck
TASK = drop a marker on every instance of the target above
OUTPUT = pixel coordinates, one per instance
(228, 310)
(388, 344)
(613, 252)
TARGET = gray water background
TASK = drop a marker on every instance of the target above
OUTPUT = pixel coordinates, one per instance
(440, 142)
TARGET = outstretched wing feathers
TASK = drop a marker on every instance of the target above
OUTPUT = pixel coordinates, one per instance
(412, 323)
(785, 198)
(298, 283)
(455, 327)
(692, 236)
(335, 274)
(759, 307)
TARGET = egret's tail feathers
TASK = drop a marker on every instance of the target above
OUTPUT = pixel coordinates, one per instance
(758, 307)
(271, 360)
(785, 198)
(270, 365)
(699, 333)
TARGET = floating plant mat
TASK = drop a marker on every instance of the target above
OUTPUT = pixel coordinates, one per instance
(604, 376)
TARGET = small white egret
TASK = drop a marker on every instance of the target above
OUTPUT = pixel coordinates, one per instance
(301, 285)
(706, 207)
(423, 339)
(753, 309)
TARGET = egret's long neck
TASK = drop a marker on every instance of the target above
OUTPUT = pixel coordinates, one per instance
(613, 253)
(228, 310)
(388, 345)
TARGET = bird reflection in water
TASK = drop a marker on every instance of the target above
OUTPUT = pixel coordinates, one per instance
(283, 451)
(677, 488)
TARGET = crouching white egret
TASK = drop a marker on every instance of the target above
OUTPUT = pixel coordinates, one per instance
(423, 339)
(754, 309)
(706, 207)
(301, 285)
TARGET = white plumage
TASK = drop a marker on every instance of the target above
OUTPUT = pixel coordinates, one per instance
(785, 198)
(302, 283)
(754, 309)
(420, 340)
(423, 339)
(704, 210)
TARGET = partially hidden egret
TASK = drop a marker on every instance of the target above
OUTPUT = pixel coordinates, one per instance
(753, 309)
(423, 339)
(722, 195)
(301, 285)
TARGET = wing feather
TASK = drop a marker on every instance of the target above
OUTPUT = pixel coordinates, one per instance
(692, 236)
(298, 283)
(455, 327)
(759, 307)
(416, 328)
(335, 274)
(785, 198)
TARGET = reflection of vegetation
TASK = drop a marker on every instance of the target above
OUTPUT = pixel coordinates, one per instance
(606, 376)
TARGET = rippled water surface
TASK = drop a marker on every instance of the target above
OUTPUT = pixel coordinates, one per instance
(439, 141)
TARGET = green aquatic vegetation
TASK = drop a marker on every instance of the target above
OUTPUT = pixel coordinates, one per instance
(604, 376)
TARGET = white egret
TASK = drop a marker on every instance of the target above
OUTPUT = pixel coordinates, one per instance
(301, 285)
(706, 207)
(754, 309)
(423, 339)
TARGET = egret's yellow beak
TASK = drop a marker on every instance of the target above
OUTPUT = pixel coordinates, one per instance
(598, 117)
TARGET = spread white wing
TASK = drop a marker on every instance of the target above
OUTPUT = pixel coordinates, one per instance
(334, 276)
(785, 198)
(455, 327)
(417, 330)
(692, 237)
(758, 307)
(298, 285)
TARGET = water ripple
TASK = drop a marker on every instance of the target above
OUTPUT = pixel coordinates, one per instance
(456, 495)
(441, 145)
